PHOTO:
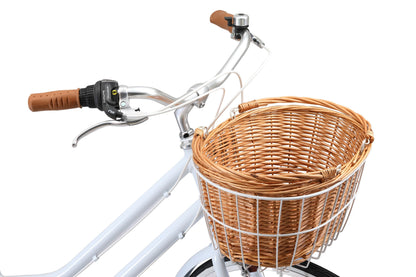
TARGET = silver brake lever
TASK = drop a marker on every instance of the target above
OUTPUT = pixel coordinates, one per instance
(105, 124)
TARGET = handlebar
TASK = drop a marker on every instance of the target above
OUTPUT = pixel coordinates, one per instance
(114, 100)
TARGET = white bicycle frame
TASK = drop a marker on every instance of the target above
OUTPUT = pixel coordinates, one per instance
(131, 217)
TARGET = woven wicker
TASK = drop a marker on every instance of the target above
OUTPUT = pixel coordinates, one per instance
(278, 182)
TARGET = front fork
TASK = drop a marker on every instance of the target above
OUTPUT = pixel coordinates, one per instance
(218, 263)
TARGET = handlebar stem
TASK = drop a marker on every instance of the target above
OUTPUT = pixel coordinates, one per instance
(182, 113)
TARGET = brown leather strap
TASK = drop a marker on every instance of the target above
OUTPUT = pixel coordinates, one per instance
(54, 100)
(218, 18)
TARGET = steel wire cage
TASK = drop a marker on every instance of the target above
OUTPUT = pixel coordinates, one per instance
(278, 183)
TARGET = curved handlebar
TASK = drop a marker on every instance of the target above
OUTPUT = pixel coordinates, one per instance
(219, 18)
(54, 100)
(114, 100)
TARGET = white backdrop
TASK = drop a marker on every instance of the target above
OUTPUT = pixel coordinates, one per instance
(55, 199)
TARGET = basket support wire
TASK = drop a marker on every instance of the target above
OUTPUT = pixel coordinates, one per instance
(210, 207)
(338, 219)
(278, 234)
(258, 233)
(317, 231)
(223, 220)
(323, 247)
(347, 205)
(203, 203)
(354, 192)
(299, 228)
(347, 215)
(239, 231)
(355, 180)
(352, 182)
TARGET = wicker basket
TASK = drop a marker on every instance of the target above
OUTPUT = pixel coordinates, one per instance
(278, 182)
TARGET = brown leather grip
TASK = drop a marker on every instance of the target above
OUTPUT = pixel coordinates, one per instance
(218, 18)
(54, 100)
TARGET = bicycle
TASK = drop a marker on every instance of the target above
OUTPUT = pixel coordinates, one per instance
(114, 100)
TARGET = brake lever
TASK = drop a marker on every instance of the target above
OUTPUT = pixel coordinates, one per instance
(109, 97)
(103, 124)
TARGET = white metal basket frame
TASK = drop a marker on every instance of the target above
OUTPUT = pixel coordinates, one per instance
(339, 217)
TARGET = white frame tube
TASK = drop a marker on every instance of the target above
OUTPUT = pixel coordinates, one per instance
(163, 242)
(125, 222)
